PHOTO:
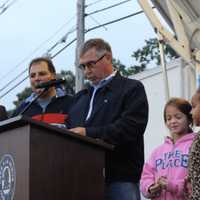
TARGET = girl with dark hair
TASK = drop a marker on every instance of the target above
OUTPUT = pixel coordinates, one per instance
(164, 174)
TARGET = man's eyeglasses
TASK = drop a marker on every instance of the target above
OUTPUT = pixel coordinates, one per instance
(90, 64)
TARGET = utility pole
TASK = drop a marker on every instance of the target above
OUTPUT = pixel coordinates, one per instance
(80, 41)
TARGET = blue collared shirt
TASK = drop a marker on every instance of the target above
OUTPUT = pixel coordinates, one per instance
(101, 84)
(44, 103)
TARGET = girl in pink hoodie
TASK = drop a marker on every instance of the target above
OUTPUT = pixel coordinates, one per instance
(164, 174)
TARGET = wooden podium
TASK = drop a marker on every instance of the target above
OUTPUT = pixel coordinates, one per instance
(42, 162)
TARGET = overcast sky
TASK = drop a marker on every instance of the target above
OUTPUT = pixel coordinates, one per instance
(29, 28)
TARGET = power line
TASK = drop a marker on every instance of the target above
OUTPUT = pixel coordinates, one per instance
(13, 87)
(61, 40)
(106, 8)
(4, 4)
(97, 22)
(96, 27)
(36, 49)
(114, 5)
(17, 84)
(73, 40)
(91, 4)
(29, 55)
(114, 21)
(4, 7)
(14, 79)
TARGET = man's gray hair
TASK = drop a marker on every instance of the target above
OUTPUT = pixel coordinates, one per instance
(99, 44)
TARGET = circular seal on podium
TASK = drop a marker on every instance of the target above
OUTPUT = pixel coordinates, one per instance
(7, 177)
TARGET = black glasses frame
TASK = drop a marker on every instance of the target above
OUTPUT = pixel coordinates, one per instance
(91, 64)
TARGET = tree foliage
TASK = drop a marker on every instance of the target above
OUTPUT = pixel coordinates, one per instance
(120, 67)
(22, 95)
(150, 52)
(144, 56)
(127, 71)
(69, 86)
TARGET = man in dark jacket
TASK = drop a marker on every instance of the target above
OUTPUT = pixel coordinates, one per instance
(53, 103)
(3, 113)
(114, 109)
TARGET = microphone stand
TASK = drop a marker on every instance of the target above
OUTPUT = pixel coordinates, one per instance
(34, 100)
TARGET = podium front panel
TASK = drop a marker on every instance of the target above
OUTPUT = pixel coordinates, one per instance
(15, 143)
(47, 163)
(64, 168)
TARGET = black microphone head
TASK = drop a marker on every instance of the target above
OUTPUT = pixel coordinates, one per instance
(51, 83)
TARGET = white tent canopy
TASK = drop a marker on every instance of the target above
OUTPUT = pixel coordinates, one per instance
(183, 17)
(188, 12)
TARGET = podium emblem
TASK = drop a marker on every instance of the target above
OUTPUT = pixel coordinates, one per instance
(7, 177)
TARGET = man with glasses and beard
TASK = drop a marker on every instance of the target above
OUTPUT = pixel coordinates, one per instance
(114, 109)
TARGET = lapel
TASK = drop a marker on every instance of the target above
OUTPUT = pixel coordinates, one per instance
(79, 112)
(85, 105)
(104, 96)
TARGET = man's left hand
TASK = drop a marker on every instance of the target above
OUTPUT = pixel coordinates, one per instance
(78, 130)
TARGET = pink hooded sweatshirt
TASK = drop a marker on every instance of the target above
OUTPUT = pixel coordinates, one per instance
(169, 160)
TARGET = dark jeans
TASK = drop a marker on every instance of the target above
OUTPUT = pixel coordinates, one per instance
(122, 191)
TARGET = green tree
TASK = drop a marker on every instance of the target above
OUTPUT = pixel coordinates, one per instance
(144, 56)
(127, 71)
(22, 95)
(120, 67)
(69, 86)
(150, 53)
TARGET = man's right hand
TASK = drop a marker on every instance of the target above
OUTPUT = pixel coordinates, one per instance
(78, 130)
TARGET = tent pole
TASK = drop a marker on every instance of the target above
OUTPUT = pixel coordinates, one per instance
(164, 68)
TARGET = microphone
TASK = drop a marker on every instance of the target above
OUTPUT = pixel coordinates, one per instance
(46, 86)
(51, 83)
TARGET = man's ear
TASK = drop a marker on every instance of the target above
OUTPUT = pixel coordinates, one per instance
(109, 56)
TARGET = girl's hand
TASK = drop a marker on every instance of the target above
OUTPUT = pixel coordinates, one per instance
(155, 190)
(162, 181)
(187, 188)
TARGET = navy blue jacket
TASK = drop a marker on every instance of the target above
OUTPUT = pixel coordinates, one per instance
(3, 113)
(119, 117)
(59, 104)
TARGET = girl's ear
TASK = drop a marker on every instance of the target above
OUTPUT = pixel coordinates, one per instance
(54, 75)
(190, 125)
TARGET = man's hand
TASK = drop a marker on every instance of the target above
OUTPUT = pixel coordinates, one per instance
(78, 130)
